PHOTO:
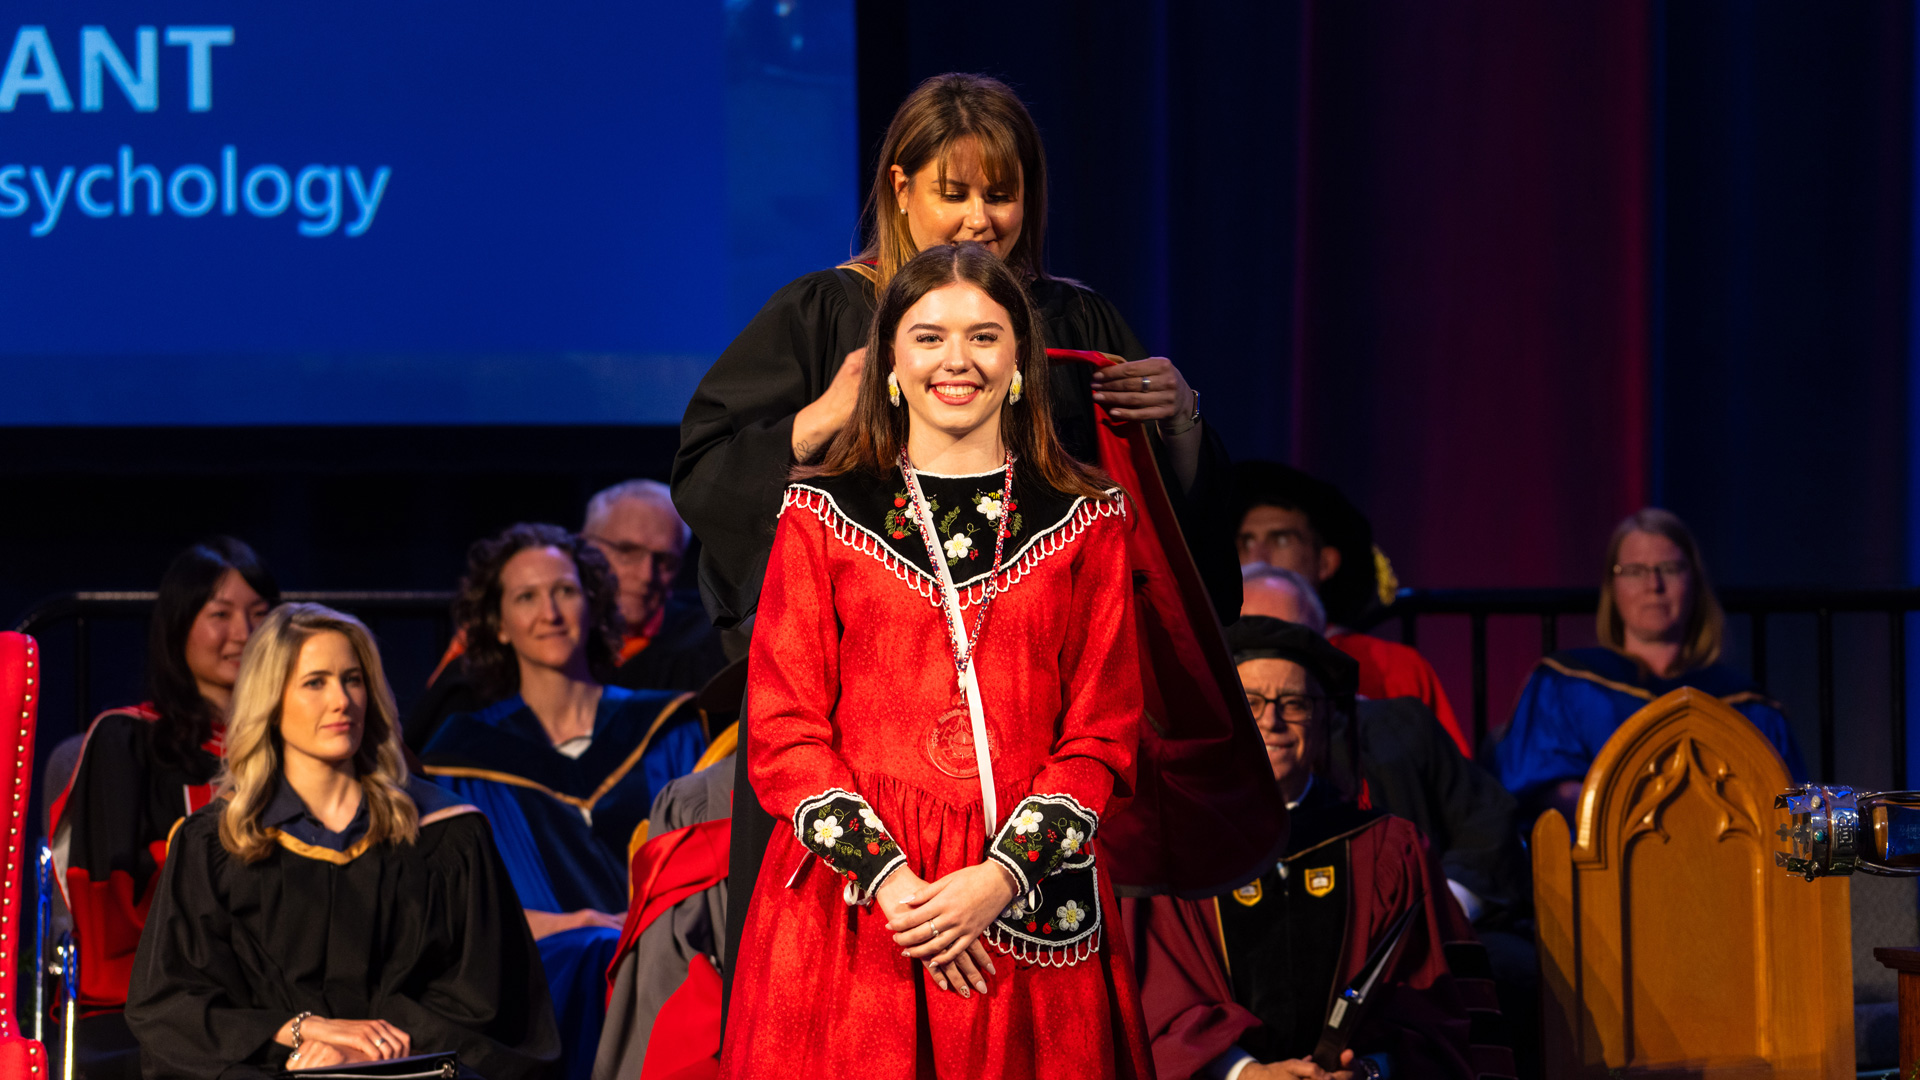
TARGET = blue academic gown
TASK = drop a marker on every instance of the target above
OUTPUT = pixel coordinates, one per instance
(563, 825)
(1575, 700)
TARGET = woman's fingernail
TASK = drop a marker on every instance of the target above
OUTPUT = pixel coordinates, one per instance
(964, 994)
(1098, 396)
(980, 986)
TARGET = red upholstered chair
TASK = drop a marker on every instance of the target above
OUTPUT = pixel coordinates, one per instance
(20, 680)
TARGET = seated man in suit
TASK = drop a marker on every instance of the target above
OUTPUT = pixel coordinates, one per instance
(1238, 986)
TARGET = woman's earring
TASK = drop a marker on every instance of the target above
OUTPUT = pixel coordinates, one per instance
(893, 389)
(1018, 386)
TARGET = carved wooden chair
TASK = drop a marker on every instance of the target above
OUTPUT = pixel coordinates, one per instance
(20, 680)
(1670, 946)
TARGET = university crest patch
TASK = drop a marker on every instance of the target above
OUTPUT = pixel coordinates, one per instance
(1319, 881)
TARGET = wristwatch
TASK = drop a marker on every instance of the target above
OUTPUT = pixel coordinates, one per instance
(1184, 425)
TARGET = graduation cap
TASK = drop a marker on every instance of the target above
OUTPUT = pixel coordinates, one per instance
(1261, 637)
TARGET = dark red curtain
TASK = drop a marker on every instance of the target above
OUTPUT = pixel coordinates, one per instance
(1472, 355)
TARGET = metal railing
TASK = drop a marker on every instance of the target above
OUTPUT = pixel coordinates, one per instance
(81, 609)
(1755, 606)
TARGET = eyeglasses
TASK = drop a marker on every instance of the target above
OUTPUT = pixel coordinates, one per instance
(1637, 572)
(628, 553)
(1294, 708)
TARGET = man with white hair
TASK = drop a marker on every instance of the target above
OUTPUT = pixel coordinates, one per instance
(1280, 593)
(670, 644)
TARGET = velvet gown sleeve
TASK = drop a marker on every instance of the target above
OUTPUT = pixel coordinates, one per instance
(459, 972)
(794, 680)
(480, 989)
(736, 439)
(1558, 726)
(191, 1003)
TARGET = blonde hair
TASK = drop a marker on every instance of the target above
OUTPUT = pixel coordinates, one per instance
(251, 768)
(1706, 622)
(940, 112)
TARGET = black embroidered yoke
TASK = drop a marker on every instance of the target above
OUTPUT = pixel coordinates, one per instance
(876, 515)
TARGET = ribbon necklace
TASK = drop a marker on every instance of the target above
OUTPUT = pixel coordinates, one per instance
(962, 650)
(959, 642)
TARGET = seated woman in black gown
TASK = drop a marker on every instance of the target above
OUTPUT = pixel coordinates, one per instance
(327, 908)
(139, 770)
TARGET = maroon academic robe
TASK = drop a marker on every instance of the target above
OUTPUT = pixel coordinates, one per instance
(1422, 1016)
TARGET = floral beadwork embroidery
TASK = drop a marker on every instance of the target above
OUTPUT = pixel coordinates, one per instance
(957, 536)
(1045, 834)
(1069, 914)
(899, 521)
(1056, 924)
(847, 835)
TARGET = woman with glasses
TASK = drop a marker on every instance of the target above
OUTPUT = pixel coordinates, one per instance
(1660, 628)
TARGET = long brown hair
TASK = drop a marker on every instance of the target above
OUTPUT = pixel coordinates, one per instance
(940, 112)
(250, 772)
(872, 438)
(1706, 623)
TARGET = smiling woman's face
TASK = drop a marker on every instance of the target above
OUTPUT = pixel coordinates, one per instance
(543, 608)
(954, 356)
(323, 712)
(965, 206)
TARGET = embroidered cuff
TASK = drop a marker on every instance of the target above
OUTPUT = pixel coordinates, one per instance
(844, 831)
(1045, 834)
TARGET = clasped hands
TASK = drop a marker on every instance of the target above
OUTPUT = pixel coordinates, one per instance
(325, 1042)
(939, 923)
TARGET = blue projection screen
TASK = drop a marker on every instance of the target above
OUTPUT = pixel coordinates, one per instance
(352, 212)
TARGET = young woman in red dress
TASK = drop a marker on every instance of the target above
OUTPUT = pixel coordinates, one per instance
(945, 698)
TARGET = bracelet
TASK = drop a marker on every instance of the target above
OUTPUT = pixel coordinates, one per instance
(296, 1030)
(1192, 421)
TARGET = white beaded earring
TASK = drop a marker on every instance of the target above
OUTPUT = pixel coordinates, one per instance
(893, 389)
(1013, 396)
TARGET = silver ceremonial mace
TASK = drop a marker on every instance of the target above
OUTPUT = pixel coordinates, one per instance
(1839, 831)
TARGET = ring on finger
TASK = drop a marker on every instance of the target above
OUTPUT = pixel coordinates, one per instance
(1146, 383)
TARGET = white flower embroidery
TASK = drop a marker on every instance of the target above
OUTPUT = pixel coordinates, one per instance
(989, 507)
(872, 819)
(1070, 843)
(1026, 821)
(826, 829)
(957, 547)
(1018, 909)
(1068, 915)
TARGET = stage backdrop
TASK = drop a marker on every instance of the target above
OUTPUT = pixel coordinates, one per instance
(226, 213)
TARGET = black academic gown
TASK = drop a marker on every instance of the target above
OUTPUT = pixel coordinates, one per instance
(428, 936)
(736, 448)
(1415, 771)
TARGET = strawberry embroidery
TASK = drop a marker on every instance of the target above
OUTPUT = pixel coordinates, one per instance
(847, 835)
